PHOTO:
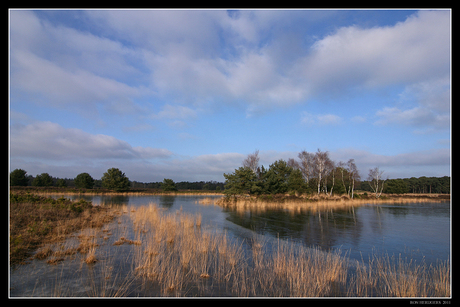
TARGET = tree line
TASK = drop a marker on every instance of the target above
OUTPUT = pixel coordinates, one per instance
(113, 179)
(318, 173)
(438, 185)
(310, 173)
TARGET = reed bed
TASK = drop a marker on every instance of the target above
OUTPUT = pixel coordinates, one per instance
(385, 276)
(182, 259)
(315, 203)
(175, 255)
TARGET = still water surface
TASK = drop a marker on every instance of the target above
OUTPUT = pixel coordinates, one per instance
(418, 231)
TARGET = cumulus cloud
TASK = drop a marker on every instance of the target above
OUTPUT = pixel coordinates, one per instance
(182, 55)
(50, 141)
(66, 66)
(411, 51)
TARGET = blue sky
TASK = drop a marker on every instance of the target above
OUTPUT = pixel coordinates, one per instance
(187, 94)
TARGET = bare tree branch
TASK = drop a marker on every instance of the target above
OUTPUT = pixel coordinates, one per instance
(252, 161)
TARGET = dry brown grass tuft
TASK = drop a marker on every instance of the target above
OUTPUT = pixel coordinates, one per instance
(207, 201)
(44, 253)
(123, 240)
(55, 260)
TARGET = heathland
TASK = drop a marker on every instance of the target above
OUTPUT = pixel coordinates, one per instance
(37, 220)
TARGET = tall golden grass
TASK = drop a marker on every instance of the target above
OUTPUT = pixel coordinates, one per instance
(174, 253)
(314, 203)
(385, 276)
(179, 257)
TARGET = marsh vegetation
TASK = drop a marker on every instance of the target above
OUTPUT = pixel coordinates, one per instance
(37, 220)
(150, 250)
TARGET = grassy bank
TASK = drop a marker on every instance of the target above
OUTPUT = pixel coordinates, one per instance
(36, 220)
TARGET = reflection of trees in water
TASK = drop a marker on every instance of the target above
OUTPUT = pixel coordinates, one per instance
(115, 200)
(326, 229)
(167, 201)
(329, 228)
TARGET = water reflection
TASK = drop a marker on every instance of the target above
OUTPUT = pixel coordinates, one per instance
(389, 228)
(323, 228)
(167, 201)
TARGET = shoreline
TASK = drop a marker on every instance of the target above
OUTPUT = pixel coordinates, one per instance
(359, 196)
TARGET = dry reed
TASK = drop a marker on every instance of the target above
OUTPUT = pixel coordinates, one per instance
(385, 276)
(176, 256)
(181, 258)
(314, 203)
(174, 253)
(207, 201)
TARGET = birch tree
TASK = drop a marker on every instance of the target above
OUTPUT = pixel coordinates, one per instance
(353, 175)
(322, 166)
(252, 161)
(307, 163)
(375, 181)
(332, 171)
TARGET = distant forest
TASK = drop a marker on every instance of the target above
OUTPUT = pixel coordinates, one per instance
(183, 185)
(439, 185)
(392, 186)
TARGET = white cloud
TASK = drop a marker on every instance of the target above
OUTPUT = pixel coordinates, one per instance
(50, 141)
(432, 107)
(64, 66)
(62, 87)
(358, 119)
(411, 51)
(182, 55)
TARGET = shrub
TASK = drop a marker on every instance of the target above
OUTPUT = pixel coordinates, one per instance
(115, 179)
(18, 178)
(84, 181)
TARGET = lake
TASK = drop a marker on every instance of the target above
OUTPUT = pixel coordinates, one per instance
(419, 231)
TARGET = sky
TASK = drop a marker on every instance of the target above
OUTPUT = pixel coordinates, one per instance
(188, 94)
